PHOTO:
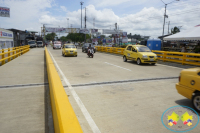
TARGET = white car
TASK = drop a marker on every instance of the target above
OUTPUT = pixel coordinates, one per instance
(57, 45)
(40, 44)
(32, 43)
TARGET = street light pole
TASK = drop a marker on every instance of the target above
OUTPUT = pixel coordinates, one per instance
(165, 17)
(168, 26)
(68, 22)
(164, 20)
(81, 12)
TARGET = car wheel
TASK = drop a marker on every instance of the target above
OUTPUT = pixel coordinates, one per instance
(82, 50)
(124, 59)
(138, 61)
(153, 63)
(196, 102)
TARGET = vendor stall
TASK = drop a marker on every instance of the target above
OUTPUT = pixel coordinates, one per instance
(6, 39)
(192, 34)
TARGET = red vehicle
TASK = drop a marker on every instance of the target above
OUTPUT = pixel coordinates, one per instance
(57, 44)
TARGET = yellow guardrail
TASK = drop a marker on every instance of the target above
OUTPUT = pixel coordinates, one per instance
(12, 53)
(179, 57)
(64, 118)
(114, 50)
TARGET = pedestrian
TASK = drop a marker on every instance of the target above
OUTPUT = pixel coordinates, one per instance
(183, 49)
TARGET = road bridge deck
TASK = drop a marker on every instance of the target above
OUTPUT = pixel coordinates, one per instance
(24, 88)
(98, 87)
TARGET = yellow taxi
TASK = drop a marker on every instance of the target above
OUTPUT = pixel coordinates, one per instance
(69, 50)
(189, 86)
(139, 53)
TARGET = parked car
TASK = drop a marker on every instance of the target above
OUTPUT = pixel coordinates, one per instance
(188, 86)
(40, 44)
(85, 47)
(32, 43)
(139, 53)
(69, 50)
(57, 45)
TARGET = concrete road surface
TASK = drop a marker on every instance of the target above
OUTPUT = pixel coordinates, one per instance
(112, 96)
(24, 95)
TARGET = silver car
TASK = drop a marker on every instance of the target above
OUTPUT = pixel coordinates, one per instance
(40, 44)
(32, 43)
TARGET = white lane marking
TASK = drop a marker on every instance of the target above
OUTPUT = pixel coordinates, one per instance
(170, 66)
(89, 119)
(117, 66)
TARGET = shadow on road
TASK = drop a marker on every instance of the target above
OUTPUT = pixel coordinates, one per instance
(135, 63)
(49, 126)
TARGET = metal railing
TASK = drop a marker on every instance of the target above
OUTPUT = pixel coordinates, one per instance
(114, 50)
(9, 54)
(179, 57)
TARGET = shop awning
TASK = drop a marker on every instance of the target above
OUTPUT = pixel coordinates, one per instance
(192, 34)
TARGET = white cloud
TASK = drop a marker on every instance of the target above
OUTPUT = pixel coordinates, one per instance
(24, 14)
(149, 21)
(63, 8)
(29, 14)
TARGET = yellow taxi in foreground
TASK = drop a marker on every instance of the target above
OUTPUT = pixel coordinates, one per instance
(69, 50)
(189, 86)
(139, 53)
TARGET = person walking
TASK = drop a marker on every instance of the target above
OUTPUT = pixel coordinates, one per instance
(183, 49)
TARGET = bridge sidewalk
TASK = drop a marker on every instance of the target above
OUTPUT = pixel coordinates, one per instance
(24, 103)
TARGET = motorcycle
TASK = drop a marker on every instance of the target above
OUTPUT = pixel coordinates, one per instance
(90, 53)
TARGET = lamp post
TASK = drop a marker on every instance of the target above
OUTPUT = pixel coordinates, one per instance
(81, 12)
(68, 22)
(165, 16)
(168, 26)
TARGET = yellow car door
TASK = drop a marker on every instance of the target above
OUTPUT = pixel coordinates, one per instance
(128, 53)
(63, 49)
(134, 53)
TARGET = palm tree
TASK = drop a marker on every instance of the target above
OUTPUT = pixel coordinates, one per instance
(175, 30)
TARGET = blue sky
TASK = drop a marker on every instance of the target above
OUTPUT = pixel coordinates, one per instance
(143, 17)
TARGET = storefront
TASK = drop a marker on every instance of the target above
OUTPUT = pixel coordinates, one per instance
(6, 39)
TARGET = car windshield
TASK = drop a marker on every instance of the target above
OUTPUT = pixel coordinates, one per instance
(143, 49)
(31, 42)
(39, 42)
(70, 46)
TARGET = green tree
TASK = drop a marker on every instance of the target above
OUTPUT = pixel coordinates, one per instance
(63, 39)
(77, 37)
(175, 30)
(50, 36)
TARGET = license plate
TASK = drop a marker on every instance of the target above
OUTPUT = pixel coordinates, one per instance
(71, 52)
(151, 59)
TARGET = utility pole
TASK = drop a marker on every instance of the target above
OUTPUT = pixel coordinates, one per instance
(165, 16)
(71, 28)
(85, 23)
(85, 18)
(68, 22)
(41, 31)
(81, 12)
(168, 27)
(164, 20)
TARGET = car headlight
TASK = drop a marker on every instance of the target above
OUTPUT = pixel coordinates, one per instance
(66, 50)
(75, 50)
(156, 56)
(144, 56)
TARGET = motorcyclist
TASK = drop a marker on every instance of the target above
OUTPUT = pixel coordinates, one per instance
(90, 47)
